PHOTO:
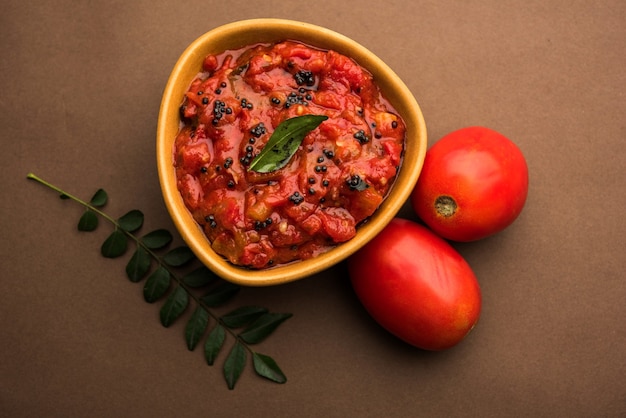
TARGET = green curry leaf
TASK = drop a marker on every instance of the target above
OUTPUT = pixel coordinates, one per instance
(131, 221)
(235, 362)
(139, 265)
(174, 306)
(242, 316)
(157, 284)
(220, 294)
(178, 256)
(265, 366)
(157, 239)
(213, 344)
(99, 199)
(196, 326)
(262, 327)
(200, 277)
(284, 142)
(88, 222)
(182, 290)
(115, 245)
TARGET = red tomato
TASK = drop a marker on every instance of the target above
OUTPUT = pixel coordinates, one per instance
(473, 184)
(414, 284)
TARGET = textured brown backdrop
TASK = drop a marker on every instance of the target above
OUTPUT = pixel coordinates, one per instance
(80, 86)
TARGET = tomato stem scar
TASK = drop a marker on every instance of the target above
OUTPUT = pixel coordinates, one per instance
(445, 206)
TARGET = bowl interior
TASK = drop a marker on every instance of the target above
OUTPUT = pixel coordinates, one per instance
(240, 34)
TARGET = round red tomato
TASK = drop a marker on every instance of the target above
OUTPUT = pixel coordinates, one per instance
(415, 285)
(474, 183)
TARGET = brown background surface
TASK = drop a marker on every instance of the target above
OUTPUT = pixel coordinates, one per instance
(80, 87)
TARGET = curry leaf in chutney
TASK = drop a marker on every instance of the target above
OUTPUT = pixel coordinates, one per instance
(284, 142)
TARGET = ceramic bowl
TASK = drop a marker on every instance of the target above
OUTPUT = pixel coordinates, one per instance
(242, 33)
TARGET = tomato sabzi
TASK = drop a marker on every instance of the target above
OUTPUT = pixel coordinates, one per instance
(337, 178)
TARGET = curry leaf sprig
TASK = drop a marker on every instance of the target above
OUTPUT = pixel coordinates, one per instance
(246, 325)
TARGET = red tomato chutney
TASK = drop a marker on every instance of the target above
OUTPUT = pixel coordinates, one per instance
(338, 177)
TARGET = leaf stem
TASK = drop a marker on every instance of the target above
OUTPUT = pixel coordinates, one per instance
(138, 242)
(87, 205)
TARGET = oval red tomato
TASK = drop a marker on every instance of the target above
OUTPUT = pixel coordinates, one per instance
(473, 184)
(416, 285)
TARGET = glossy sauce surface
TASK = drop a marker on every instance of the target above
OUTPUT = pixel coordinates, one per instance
(339, 176)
